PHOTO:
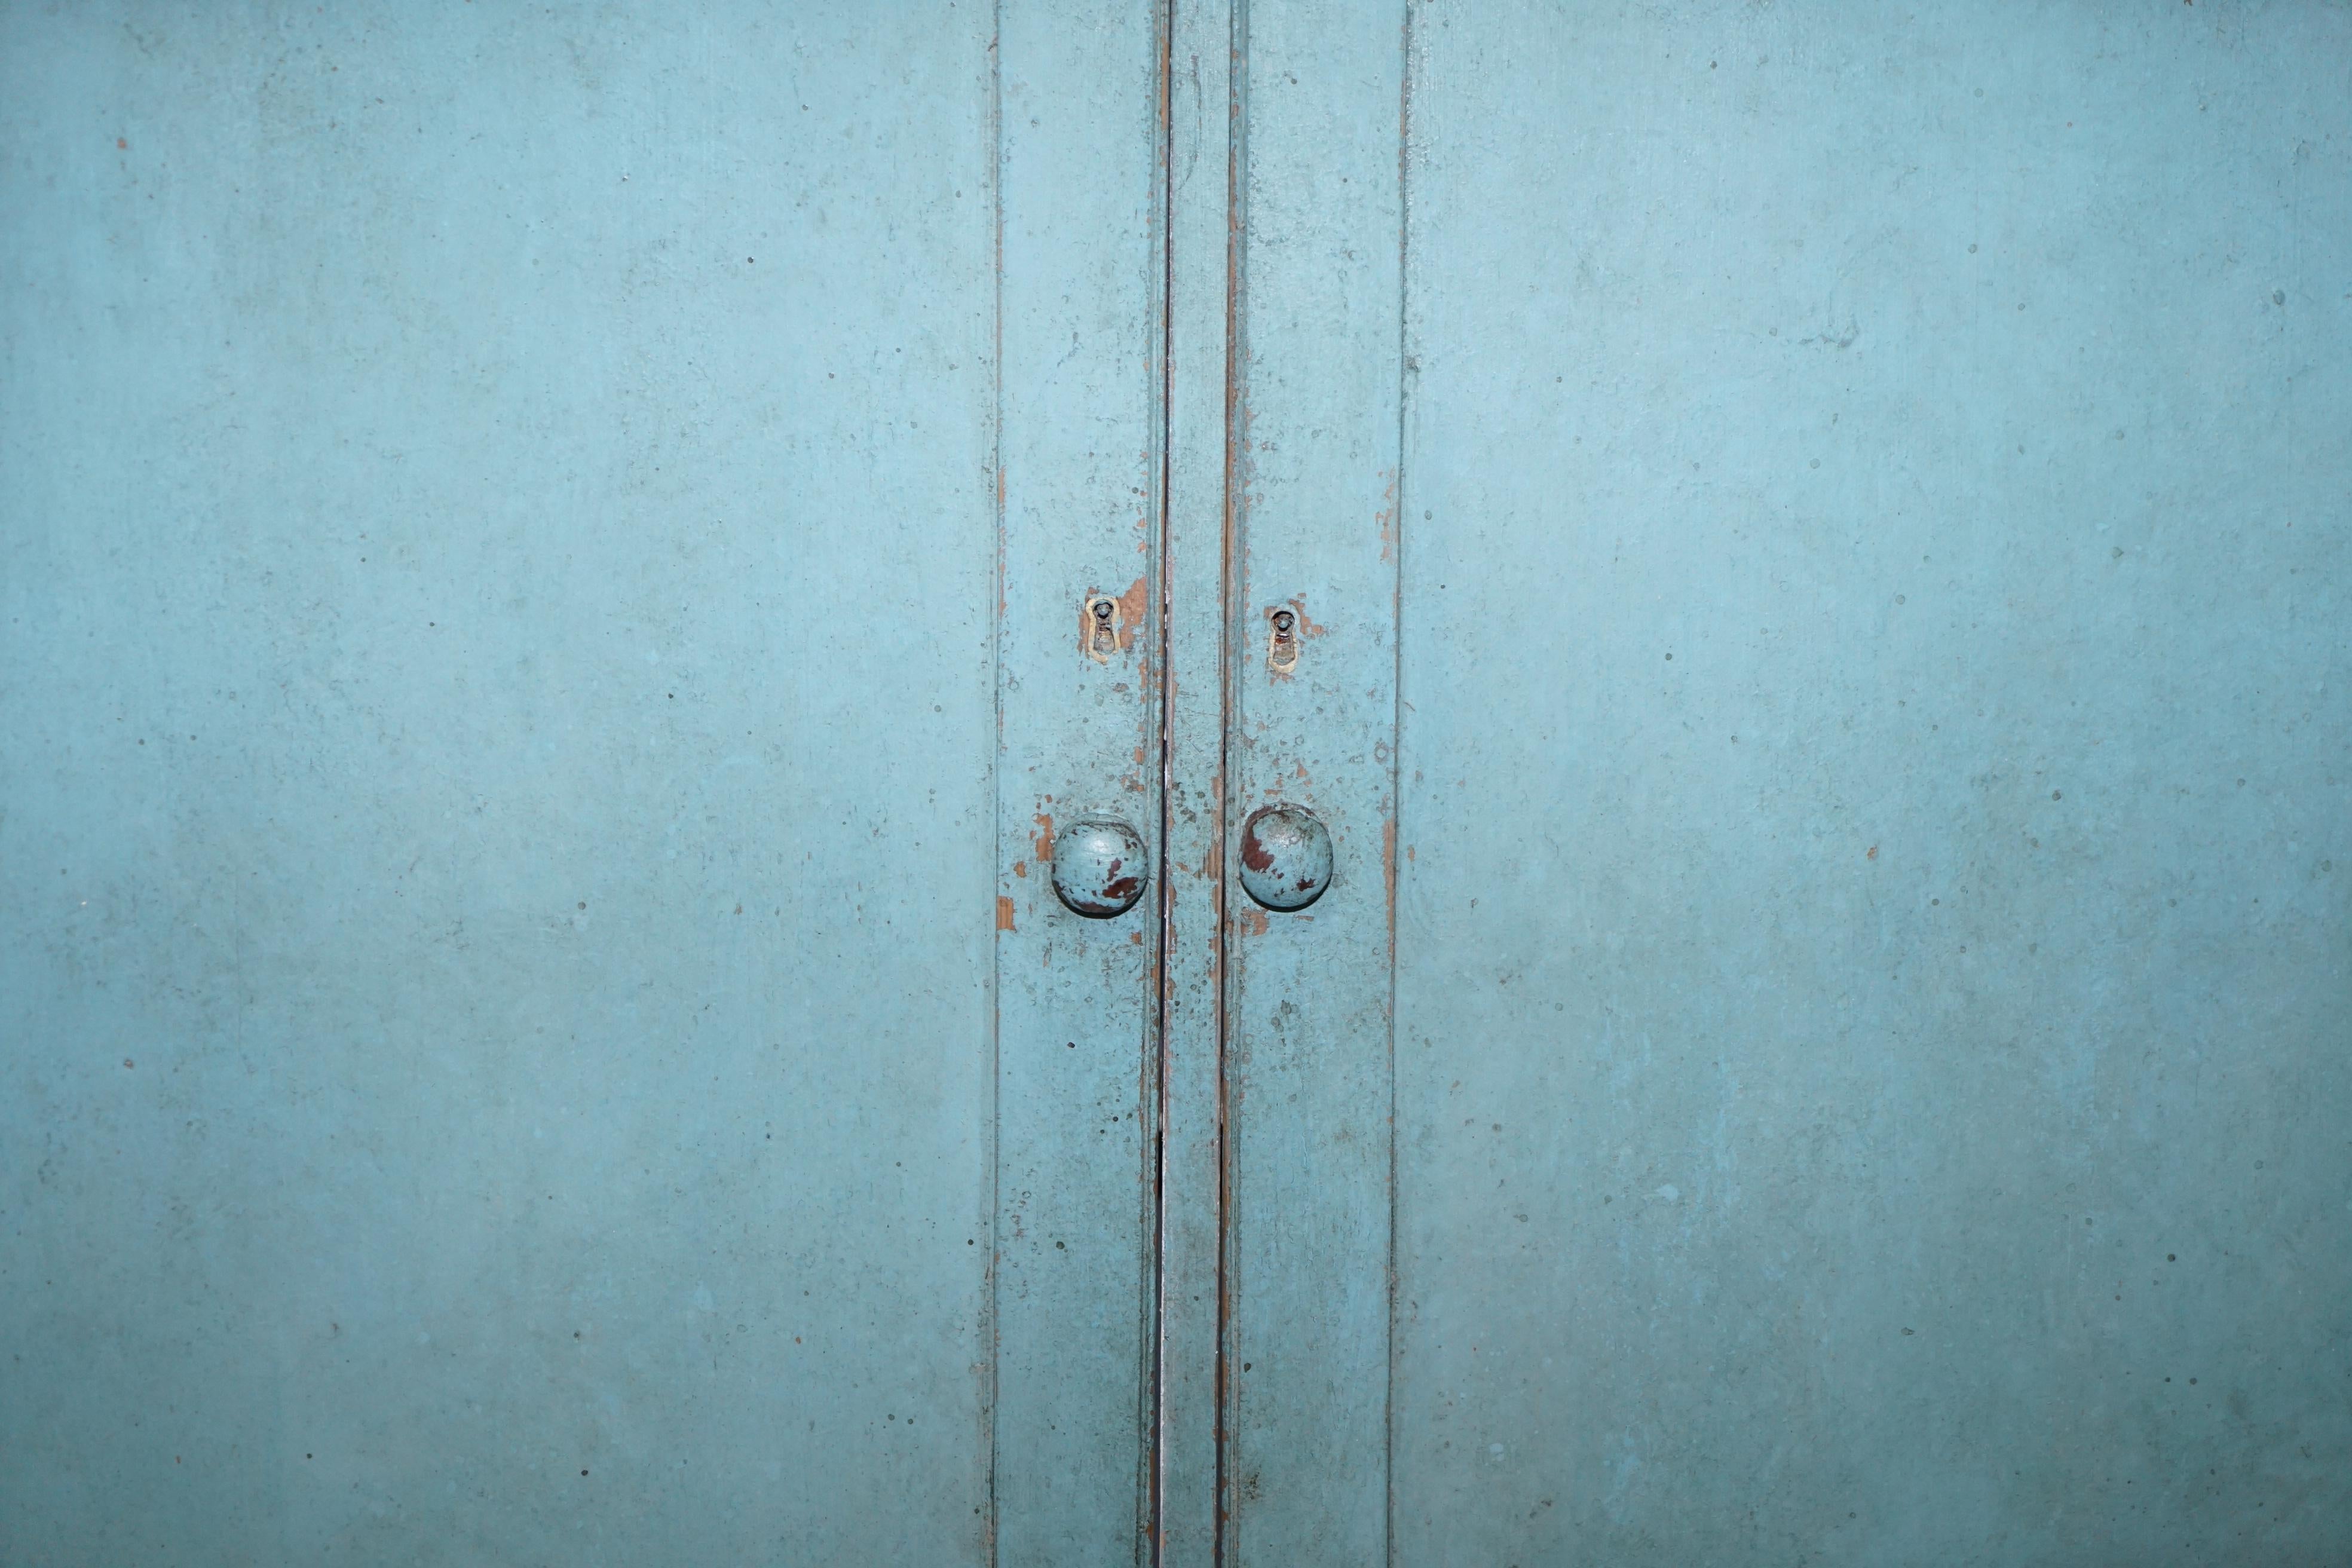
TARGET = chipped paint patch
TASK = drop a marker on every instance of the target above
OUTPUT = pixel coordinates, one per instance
(1288, 626)
(1108, 622)
(1132, 607)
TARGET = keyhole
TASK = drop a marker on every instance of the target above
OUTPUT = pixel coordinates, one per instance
(1102, 635)
(1281, 652)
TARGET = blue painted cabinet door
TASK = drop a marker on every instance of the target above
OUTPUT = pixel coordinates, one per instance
(572, 579)
(545, 557)
(1820, 533)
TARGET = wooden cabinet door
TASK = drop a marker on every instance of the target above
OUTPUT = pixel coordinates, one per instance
(1716, 633)
(1821, 533)
(543, 552)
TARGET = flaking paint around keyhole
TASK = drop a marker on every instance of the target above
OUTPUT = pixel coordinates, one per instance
(1282, 640)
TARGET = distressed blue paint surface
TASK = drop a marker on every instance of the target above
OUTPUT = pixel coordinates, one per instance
(1308, 1050)
(1078, 725)
(1875, 1038)
(499, 555)
(1201, 144)
(533, 1031)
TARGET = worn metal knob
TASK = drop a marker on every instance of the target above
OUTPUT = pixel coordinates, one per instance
(1100, 867)
(1286, 857)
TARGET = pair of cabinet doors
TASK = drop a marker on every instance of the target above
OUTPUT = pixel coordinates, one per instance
(573, 574)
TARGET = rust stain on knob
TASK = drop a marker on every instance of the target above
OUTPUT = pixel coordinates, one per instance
(1285, 855)
(1100, 867)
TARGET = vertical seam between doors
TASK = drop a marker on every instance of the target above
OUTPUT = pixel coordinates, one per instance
(994, 1338)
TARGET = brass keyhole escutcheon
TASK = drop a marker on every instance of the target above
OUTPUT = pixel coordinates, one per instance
(1282, 639)
(1099, 627)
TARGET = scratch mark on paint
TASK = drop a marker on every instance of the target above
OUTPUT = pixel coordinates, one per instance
(1388, 876)
(1387, 516)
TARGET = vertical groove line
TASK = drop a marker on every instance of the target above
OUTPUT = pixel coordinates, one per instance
(1236, 369)
(996, 768)
(1164, 170)
(1396, 735)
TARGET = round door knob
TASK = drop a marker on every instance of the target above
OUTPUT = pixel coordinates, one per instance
(1286, 857)
(1099, 866)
